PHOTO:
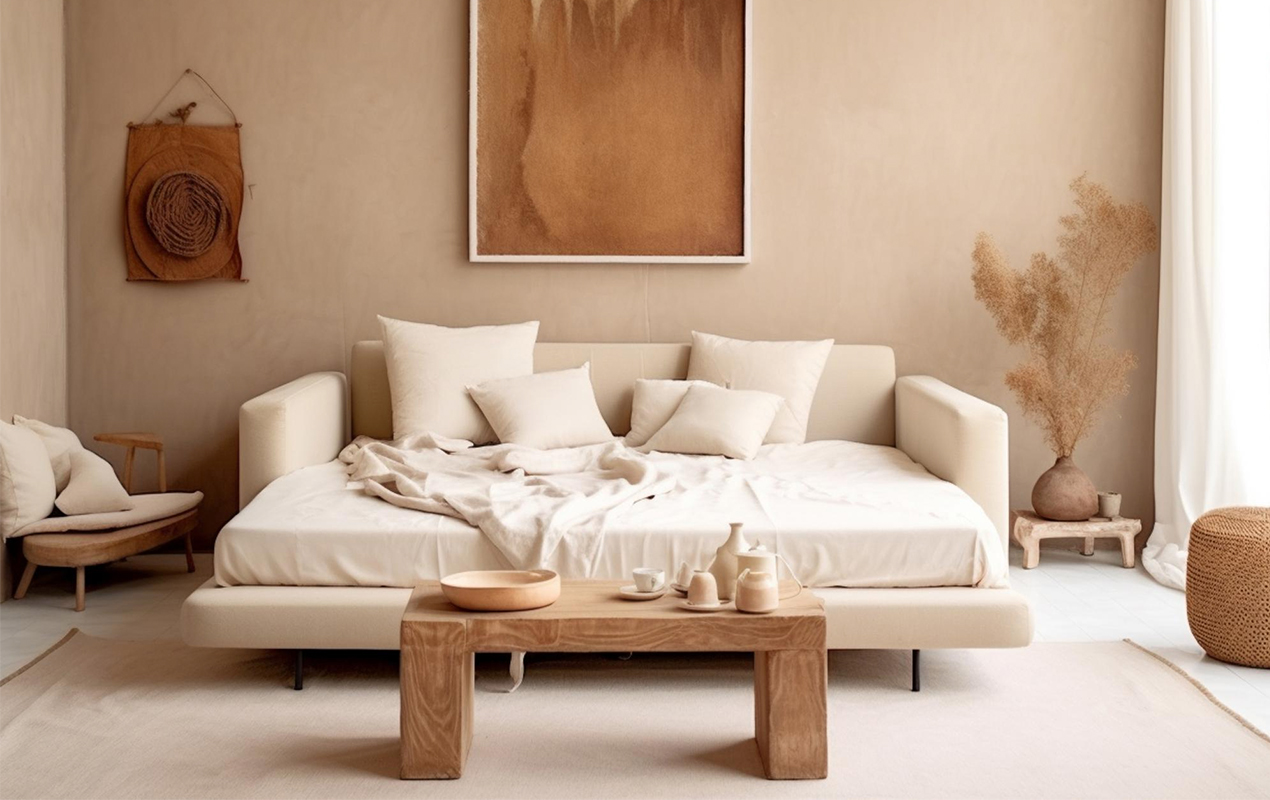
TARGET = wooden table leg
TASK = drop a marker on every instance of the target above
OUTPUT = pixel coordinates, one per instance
(791, 722)
(1031, 552)
(1126, 550)
(1088, 549)
(189, 553)
(437, 681)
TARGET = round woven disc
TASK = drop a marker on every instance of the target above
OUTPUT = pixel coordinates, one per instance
(214, 247)
(185, 211)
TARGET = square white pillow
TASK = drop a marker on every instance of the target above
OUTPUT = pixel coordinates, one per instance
(545, 411)
(27, 489)
(712, 421)
(430, 368)
(789, 369)
(653, 403)
(94, 488)
(60, 443)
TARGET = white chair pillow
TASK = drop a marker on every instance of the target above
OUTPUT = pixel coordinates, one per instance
(59, 442)
(545, 411)
(712, 421)
(789, 369)
(652, 405)
(430, 368)
(27, 488)
(94, 488)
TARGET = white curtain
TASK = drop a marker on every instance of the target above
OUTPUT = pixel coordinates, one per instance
(1212, 418)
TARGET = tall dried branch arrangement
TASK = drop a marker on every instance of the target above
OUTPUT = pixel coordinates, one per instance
(1058, 310)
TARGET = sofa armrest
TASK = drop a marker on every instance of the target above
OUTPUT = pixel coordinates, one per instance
(960, 438)
(299, 424)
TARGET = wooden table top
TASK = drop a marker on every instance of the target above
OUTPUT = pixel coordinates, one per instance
(591, 617)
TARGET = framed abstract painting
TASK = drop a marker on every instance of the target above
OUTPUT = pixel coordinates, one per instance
(609, 131)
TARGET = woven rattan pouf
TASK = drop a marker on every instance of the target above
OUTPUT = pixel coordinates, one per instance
(1228, 585)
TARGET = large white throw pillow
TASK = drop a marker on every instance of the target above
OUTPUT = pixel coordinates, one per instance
(94, 488)
(712, 421)
(789, 369)
(652, 405)
(545, 411)
(59, 442)
(27, 489)
(430, 368)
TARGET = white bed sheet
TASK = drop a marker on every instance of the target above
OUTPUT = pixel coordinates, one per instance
(842, 513)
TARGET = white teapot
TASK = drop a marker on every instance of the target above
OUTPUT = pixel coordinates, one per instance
(757, 592)
(759, 559)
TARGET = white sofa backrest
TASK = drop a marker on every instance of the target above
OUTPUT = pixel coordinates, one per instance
(855, 401)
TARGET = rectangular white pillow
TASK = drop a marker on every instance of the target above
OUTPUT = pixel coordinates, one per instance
(93, 488)
(789, 369)
(27, 487)
(653, 403)
(545, 411)
(430, 368)
(712, 421)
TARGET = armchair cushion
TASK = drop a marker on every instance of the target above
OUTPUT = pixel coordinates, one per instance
(93, 487)
(27, 488)
(59, 442)
(145, 508)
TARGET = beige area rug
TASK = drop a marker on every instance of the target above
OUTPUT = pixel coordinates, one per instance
(103, 718)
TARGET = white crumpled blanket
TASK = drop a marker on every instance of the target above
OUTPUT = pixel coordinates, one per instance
(541, 508)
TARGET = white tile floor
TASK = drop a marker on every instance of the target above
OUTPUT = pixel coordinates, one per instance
(1074, 599)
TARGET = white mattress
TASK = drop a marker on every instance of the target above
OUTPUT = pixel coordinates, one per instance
(842, 513)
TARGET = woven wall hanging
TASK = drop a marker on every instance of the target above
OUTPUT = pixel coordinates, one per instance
(183, 197)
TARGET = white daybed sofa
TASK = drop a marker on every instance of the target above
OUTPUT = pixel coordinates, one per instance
(955, 436)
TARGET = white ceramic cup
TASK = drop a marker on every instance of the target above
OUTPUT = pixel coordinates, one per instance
(703, 590)
(684, 576)
(648, 579)
(1109, 504)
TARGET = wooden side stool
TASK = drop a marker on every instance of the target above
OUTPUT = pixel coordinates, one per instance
(1029, 530)
(88, 549)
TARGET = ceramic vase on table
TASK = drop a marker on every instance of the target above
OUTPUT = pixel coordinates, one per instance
(1064, 493)
(724, 566)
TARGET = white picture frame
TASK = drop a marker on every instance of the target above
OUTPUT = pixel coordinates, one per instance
(475, 256)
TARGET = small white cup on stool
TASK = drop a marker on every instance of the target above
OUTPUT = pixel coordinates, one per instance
(648, 579)
(703, 590)
(684, 576)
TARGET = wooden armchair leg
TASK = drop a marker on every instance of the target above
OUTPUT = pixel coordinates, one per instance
(25, 583)
(79, 588)
(189, 553)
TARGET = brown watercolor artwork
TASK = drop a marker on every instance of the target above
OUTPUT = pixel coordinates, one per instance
(609, 129)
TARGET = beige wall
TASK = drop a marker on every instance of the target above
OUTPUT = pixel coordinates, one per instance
(32, 216)
(886, 134)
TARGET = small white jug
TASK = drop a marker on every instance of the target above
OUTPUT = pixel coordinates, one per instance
(757, 592)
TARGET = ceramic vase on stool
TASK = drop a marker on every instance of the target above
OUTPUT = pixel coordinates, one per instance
(703, 590)
(1109, 505)
(1064, 493)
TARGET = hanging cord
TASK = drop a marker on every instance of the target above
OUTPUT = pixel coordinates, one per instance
(184, 111)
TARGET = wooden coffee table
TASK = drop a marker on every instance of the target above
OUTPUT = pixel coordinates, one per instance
(438, 641)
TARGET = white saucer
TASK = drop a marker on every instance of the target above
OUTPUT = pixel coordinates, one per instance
(680, 588)
(704, 608)
(631, 593)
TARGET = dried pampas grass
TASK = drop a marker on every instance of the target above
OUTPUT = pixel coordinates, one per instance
(1058, 310)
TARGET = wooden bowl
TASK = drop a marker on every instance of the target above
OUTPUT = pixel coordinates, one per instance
(502, 589)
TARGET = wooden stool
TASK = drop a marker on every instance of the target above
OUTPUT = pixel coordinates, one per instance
(80, 550)
(1029, 530)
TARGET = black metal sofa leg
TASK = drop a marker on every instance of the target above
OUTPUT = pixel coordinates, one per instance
(299, 670)
(917, 670)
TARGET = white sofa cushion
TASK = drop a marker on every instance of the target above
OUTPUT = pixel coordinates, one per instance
(146, 508)
(93, 487)
(652, 405)
(789, 369)
(430, 368)
(712, 421)
(59, 442)
(27, 488)
(546, 410)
